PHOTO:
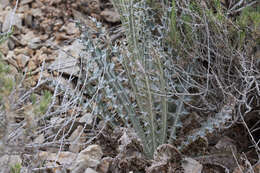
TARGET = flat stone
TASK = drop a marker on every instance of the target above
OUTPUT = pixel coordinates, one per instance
(65, 64)
(67, 59)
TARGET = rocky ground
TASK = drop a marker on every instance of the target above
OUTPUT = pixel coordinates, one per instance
(43, 49)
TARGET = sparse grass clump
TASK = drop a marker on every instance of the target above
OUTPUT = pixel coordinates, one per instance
(6, 81)
(44, 103)
(16, 168)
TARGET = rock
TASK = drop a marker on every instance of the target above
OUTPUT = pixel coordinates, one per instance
(70, 28)
(40, 56)
(25, 51)
(57, 27)
(22, 60)
(31, 65)
(12, 19)
(10, 59)
(191, 166)
(63, 157)
(4, 3)
(89, 170)
(61, 36)
(16, 40)
(28, 20)
(66, 62)
(44, 37)
(76, 49)
(86, 118)
(46, 26)
(39, 3)
(36, 12)
(23, 2)
(166, 157)
(26, 38)
(23, 8)
(110, 16)
(35, 43)
(89, 157)
(84, 20)
(75, 140)
(90, 6)
(4, 48)
(11, 44)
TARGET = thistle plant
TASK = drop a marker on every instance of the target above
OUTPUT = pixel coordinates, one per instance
(198, 62)
(135, 95)
(146, 102)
